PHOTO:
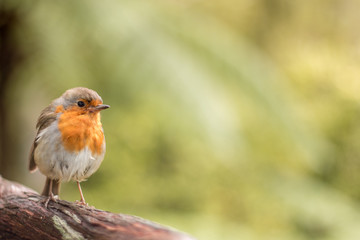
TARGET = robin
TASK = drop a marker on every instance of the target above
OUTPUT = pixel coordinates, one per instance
(70, 142)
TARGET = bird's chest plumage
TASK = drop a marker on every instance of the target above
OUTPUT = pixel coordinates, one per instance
(72, 147)
(81, 130)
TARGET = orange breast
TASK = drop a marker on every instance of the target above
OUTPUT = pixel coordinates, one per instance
(79, 129)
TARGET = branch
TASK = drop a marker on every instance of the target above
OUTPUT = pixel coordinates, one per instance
(23, 216)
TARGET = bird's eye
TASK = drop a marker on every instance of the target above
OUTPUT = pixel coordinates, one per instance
(80, 103)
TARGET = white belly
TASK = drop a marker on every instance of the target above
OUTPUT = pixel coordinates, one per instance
(57, 163)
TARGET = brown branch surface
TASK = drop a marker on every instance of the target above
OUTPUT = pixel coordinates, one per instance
(23, 216)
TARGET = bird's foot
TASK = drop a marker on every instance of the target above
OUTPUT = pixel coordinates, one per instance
(81, 202)
(51, 197)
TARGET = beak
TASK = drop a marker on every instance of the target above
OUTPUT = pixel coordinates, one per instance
(101, 107)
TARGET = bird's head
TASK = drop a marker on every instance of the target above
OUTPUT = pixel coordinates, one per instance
(81, 100)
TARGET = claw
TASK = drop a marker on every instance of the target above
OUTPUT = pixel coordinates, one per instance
(51, 197)
(81, 202)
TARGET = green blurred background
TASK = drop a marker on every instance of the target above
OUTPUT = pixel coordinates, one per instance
(228, 119)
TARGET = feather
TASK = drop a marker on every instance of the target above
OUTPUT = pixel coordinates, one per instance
(47, 117)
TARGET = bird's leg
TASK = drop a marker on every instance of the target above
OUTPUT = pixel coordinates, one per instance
(50, 194)
(82, 201)
(56, 188)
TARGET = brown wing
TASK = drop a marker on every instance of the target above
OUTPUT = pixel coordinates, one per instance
(47, 116)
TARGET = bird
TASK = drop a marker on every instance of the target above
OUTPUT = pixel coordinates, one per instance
(70, 141)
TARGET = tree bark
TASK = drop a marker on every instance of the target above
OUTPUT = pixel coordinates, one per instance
(24, 216)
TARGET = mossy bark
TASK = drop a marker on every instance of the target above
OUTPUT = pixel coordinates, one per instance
(24, 216)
